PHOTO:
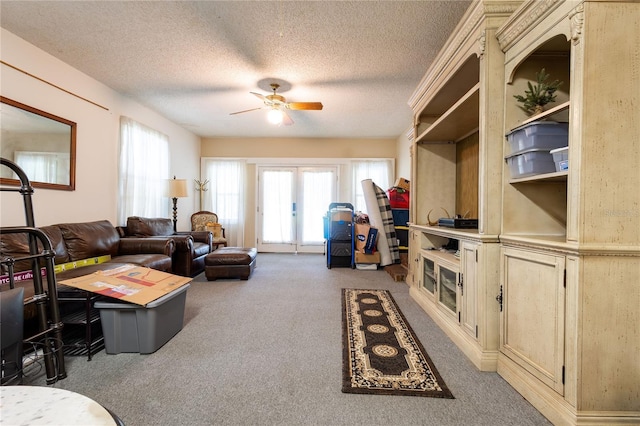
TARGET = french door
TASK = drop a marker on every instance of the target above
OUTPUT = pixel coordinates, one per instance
(291, 204)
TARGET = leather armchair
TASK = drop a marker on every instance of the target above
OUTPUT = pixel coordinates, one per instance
(191, 247)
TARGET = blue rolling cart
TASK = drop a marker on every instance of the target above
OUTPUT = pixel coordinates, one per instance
(339, 234)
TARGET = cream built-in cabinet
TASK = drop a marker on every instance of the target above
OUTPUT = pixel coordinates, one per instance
(570, 240)
(547, 290)
(457, 170)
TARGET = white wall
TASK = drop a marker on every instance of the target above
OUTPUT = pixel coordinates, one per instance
(403, 155)
(97, 141)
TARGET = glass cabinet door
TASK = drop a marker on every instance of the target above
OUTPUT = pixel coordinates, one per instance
(429, 275)
(447, 283)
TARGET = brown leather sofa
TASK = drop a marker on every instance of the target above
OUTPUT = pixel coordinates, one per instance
(72, 242)
(191, 246)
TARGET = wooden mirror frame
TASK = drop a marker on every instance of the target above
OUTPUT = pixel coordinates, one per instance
(71, 184)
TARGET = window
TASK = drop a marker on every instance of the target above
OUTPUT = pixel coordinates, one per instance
(379, 171)
(225, 195)
(144, 169)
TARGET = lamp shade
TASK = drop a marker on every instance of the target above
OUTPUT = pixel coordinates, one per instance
(177, 188)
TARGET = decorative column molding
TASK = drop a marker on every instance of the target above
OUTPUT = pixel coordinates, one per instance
(576, 19)
(411, 136)
(482, 44)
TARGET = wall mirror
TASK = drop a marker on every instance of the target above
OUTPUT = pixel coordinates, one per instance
(42, 144)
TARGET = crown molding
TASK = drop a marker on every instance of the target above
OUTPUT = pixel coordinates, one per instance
(528, 16)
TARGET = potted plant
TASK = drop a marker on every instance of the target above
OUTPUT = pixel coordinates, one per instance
(538, 95)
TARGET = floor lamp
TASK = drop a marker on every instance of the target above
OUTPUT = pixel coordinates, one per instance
(177, 189)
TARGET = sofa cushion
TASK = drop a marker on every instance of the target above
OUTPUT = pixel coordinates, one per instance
(17, 245)
(90, 239)
(149, 227)
(159, 262)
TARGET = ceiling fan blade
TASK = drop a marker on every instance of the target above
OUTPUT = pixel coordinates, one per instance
(286, 120)
(246, 110)
(262, 97)
(308, 106)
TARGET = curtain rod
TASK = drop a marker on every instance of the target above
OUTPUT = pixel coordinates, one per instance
(53, 85)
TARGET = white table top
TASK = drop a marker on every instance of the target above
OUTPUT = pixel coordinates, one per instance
(39, 405)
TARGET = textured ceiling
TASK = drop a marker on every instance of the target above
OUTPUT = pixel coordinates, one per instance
(195, 62)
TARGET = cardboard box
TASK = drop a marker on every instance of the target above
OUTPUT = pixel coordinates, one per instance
(341, 215)
(363, 258)
(366, 238)
(129, 283)
(402, 183)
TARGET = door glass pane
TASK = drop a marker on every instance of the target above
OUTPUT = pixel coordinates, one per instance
(317, 193)
(429, 278)
(447, 288)
(277, 206)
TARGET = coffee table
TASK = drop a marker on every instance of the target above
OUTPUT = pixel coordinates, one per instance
(40, 405)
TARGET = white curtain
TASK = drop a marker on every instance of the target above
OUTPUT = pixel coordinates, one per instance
(143, 171)
(317, 193)
(379, 171)
(225, 196)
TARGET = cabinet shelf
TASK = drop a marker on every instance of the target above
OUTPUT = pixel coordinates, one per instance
(443, 255)
(80, 317)
(555, 243)
(457, 122)
(75, 344)
(548, 113)
(457, 233)
(549, 177)
(449, 285)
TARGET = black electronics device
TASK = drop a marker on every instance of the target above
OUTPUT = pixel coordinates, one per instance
(458, 223)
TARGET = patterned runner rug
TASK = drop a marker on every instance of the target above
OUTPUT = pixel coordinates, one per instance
(381, 354)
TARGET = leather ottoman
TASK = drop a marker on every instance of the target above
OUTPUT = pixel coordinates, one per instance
(230, 262)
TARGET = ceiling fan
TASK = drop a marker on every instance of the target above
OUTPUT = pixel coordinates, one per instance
(277, 106)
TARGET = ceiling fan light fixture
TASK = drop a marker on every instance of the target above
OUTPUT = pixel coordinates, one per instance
(277, 107)
(275, 116)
